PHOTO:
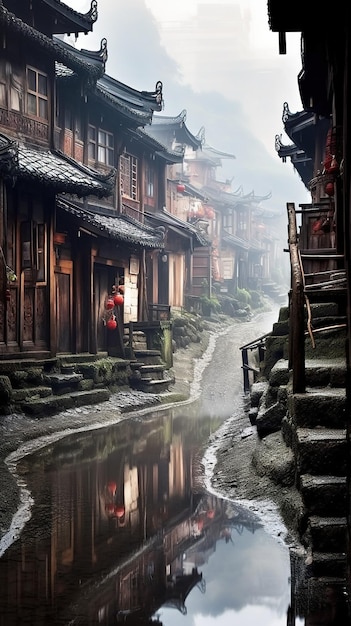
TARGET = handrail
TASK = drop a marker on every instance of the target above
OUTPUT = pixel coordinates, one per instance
(297, 301)
(258, 344)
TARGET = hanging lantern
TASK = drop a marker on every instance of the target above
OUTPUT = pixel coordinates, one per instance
(121, 288)
(118, 299)
(180, 188)
(111, 323)
(119, 511)
(110, 509)
(209, 212)
(329, 189)
(112, 487)
(333, 167)
(109, 304)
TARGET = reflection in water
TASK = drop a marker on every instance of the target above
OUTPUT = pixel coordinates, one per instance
(122, 533)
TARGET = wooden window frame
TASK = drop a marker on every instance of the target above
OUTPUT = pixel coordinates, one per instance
(99, 146)
(128, 171)
(37, 94)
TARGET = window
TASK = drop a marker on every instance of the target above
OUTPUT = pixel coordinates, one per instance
(37, 93)
(149, 181)
(101, 146)
(129, 175)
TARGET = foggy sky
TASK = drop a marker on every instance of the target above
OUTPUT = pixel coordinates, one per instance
(231, 90)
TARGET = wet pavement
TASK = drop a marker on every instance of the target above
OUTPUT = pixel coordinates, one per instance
(119, 522)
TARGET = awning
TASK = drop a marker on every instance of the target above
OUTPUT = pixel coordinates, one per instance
(120, 228)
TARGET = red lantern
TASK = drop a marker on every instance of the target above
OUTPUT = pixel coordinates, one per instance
(329, 189)
(109, 304)
(118, 299)
(333, 168)
(119, 511)
(112, 487)
(180, 188)
(211, 514)
(121, 288)
(111, 323)
(110, 508)
(209, 213)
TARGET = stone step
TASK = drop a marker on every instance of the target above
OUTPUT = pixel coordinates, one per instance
(27, 393)
(156, 372)
(324, 495)
(148, 357)
(329, 342)
(149, 385)
(82, 357)
(327, 534)
(326, 593)
(321, 451)
(63, 383)
(319, 372)
(329, 564)
(54, 404)
(319, 406)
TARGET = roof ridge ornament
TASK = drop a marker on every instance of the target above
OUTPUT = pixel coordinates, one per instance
(93, 12)
(201, 135)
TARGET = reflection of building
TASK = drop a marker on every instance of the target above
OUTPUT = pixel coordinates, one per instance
(122, 516)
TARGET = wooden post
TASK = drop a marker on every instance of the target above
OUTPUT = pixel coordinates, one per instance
(296, 319)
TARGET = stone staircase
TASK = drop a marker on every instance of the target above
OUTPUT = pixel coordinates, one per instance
(149, 372)
(313, 426)
(42, 387)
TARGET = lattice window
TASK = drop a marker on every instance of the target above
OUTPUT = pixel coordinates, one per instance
(129, 176)
(101, 146)
(37, 93)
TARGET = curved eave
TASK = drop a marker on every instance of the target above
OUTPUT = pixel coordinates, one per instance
(143, 100)
(53, 171)
(94, 58)
(119, 228)
(70, 21)
(159, 149)
(137, 116)
(13, 24)
(163, 125)
(184, 229)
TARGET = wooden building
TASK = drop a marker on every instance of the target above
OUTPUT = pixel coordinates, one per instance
(73, 170)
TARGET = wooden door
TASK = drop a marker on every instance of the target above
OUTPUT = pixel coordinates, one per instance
(63, 289)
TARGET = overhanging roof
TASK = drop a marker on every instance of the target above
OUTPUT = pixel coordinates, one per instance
(60, 17)
(10, 23)
(53, 170)
(184, 229)
(120, 228)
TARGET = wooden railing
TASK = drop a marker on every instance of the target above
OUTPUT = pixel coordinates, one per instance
(296, 305)
(259, 346)
(318, 286)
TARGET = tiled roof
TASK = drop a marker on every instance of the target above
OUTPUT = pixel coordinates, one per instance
(54, 170)
(121, 228)
(72, 20)
(132, 103)
(165, 129)
(182, 227)
(52, 48)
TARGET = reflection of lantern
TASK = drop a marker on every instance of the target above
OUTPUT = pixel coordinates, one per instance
(118, 299)
(111, 323)
(112, 487)
(119, 511)
(110, 508)
(180, 188)
(109, 304)
(211, 514)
